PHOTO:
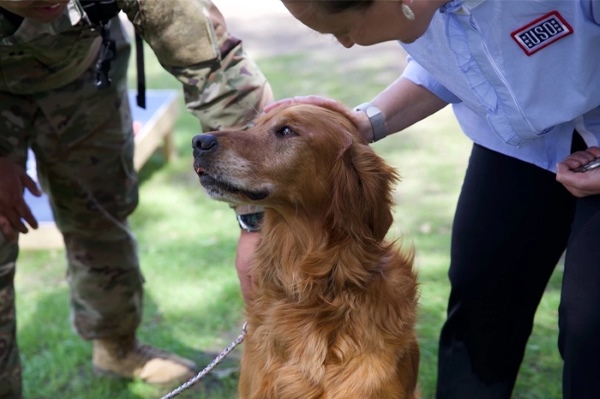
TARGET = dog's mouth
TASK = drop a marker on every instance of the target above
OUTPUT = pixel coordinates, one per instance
(199, 171)
(218, 188)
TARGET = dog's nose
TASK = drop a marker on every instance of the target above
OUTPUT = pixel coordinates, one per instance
(204, 142)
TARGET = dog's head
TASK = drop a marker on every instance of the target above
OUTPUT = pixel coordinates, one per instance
(300, 159)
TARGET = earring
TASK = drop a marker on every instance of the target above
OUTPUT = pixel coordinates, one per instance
(408, 13)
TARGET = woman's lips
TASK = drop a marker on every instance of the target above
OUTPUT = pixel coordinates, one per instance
(49, 9)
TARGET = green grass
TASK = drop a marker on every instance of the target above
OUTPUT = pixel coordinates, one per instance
(187, 248)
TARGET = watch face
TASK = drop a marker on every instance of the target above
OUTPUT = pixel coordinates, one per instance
(372, 111)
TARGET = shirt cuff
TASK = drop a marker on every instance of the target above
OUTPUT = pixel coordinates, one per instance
(416, 74)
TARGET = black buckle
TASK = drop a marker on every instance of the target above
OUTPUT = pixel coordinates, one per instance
(107, 54)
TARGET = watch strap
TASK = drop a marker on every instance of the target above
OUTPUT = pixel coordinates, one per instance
(376, 119)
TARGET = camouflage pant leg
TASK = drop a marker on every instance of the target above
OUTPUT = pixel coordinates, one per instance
(10, 366)
(16, 115)
(85, 150)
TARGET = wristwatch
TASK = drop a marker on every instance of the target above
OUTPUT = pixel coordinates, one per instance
(249, 217)
(376, 118)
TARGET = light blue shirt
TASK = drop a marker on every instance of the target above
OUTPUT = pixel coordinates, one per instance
(522, 75)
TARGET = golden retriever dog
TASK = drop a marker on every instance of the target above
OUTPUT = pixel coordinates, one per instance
(333, 305)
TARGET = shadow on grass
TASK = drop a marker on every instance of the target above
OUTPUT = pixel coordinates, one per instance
(57, 360)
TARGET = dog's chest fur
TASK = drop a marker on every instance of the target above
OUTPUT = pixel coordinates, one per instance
(310, 325)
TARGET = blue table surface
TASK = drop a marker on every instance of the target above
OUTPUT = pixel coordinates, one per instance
(154, 100)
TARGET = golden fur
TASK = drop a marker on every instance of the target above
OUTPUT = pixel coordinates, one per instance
(333, 305)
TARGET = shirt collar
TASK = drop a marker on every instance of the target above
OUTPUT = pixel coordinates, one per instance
(451, 6)
(458, 5)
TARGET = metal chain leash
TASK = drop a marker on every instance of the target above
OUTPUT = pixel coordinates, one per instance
(208, 368)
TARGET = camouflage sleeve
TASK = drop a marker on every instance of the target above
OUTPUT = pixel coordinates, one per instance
(223, 87)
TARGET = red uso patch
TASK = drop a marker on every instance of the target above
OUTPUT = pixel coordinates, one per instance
(542, 32)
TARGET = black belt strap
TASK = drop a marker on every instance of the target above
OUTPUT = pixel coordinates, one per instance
(141, 75)
(100, 12)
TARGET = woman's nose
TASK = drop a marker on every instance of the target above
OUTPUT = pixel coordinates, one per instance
(345, 41)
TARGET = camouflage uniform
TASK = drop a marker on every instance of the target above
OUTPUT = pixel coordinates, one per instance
(83, 142)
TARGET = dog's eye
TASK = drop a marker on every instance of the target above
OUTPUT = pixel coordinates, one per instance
(285, 131)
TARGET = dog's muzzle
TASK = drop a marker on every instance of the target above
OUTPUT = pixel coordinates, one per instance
(203, 144)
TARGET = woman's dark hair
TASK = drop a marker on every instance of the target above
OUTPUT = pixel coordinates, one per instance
(335, 6)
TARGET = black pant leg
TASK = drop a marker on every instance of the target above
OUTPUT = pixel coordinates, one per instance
(510, 229)
(579, 311)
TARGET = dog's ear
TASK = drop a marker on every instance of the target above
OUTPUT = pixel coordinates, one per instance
(362, 192)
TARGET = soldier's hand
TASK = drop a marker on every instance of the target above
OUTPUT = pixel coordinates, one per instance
(13, 209)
